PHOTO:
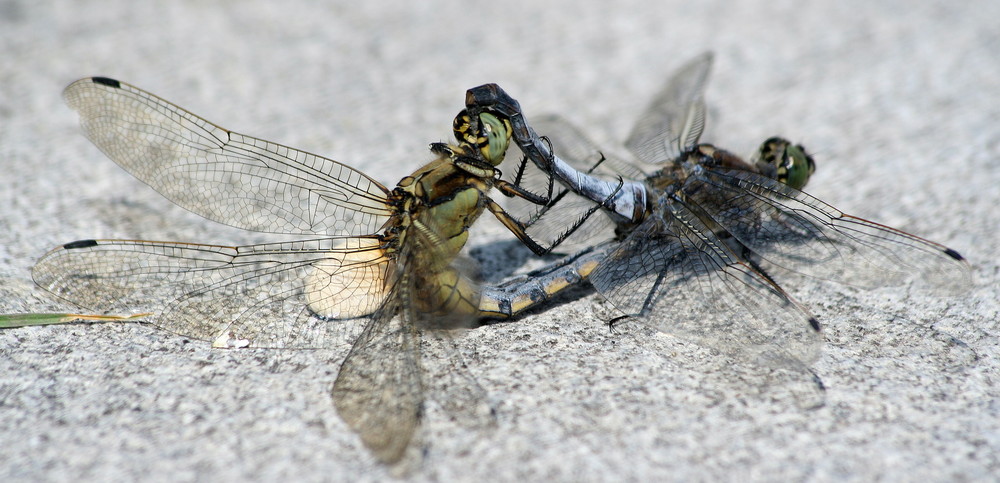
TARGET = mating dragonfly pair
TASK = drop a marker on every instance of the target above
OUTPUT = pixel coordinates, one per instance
(694, 248)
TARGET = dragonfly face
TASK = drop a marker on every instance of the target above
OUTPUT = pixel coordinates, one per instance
(493, 138)
(789, 164)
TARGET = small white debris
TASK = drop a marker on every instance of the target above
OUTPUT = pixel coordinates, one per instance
(226, 340)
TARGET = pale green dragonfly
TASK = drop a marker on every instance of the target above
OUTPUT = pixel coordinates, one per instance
(373, 267)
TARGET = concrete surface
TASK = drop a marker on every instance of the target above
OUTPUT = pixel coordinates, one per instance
(899, 101)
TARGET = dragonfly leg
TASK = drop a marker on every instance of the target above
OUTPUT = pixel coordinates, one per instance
(519, 229)
(516, 227)
(583, 218)
(511, 190)
(594, 208)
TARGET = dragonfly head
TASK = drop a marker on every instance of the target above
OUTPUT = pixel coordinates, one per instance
(492, 138)
(785, 162)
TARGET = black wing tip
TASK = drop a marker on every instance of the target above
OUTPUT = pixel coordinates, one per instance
(107, 81)
(80, 244)
(953, 254)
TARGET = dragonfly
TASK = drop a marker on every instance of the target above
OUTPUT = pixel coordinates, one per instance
(700, 237)
(382, 257)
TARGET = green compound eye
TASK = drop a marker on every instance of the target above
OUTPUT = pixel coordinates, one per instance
(495, 137)
(785, 162)
(799, 166)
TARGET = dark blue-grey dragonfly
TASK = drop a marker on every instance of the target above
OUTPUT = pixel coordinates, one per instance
(699, 238)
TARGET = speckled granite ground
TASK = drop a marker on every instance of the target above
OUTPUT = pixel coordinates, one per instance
(899, 103)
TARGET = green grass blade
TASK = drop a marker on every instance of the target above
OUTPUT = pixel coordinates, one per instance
(10, 321)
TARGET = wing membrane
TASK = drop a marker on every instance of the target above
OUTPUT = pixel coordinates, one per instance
(378, 391)
(802, 234)
(675, 118)
(681, 279)
(221, 175)
(254, 296)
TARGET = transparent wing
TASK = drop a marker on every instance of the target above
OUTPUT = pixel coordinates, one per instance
(248, 296)
(378, 391)
(675, 119)
(261, 296)
(799, 233)
(225, 176)
(680, 278)
(449, 382)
